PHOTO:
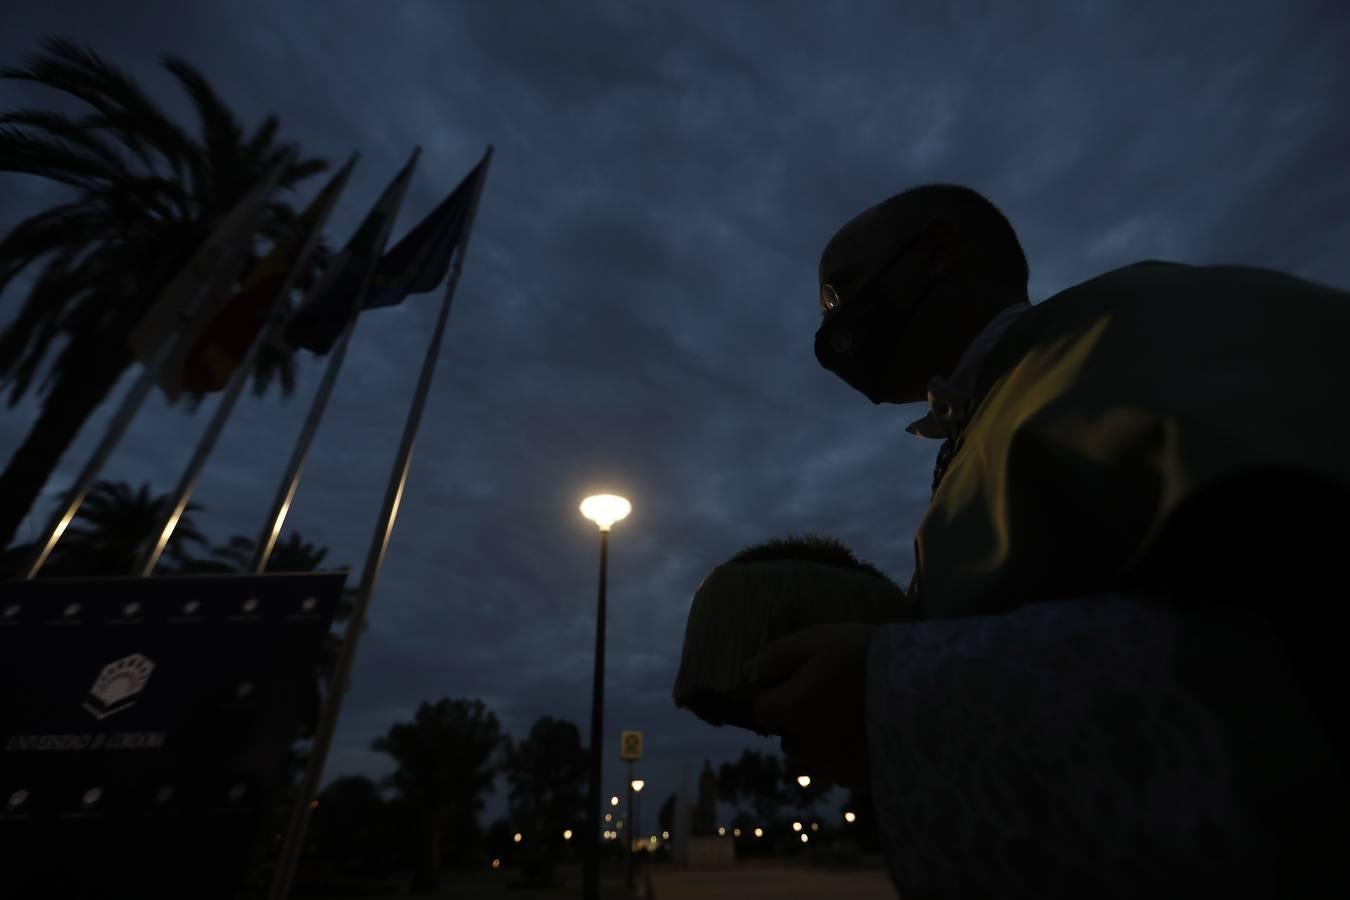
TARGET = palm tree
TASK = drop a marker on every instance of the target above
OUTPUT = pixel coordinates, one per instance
(448, 757)
(291, 554)
(111, 532)
(144, 195)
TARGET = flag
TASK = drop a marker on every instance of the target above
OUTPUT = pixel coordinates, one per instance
(420, 261)
(199, 290)
(225, 341)
(324, 315)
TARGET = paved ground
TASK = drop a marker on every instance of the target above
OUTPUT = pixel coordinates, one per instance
(754, 883)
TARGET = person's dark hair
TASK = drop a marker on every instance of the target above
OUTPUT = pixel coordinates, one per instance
(988, 233)
(806, 547)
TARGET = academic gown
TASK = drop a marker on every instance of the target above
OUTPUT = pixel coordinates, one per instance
(1118, 677)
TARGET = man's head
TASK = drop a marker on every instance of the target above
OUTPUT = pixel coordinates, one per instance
(906, 286)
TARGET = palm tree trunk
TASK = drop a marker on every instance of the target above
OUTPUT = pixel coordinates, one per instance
(72, 399)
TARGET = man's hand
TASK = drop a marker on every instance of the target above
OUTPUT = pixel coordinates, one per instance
(812, 690)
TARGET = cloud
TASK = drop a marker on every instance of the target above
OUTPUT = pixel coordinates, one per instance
(638, 303)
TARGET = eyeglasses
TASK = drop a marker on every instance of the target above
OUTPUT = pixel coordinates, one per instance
(829, 295)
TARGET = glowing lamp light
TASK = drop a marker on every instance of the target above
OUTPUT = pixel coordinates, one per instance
(609, 817)
(613, 801)
(796, 826)
(567, 834)
(605, 509)
(638, 784)
(721, 832)
(759, 832)
(496, 864)
(665, 835)
(516, 837)
(804, 780)
(736, 833)
(850, 817)
(815, 826)
(805, 839)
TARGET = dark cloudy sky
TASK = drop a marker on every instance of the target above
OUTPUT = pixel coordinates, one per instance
(639, 300)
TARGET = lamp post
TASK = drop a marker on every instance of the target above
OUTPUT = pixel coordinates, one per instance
(635, 786)
(604, 510)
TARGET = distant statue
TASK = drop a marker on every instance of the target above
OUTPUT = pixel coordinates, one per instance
(705, 813)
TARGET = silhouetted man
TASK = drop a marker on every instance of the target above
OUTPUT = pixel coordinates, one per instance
(1120, 674)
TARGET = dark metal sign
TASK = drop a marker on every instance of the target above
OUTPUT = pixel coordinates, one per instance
(145, 726)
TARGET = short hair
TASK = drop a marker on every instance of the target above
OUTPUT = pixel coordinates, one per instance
(807, 547)
(990, 237)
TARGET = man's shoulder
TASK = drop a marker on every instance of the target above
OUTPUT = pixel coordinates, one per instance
(1143, 280)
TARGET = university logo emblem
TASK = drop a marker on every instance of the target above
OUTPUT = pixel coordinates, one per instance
(117, 685)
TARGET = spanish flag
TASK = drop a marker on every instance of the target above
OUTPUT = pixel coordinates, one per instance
(225, 343)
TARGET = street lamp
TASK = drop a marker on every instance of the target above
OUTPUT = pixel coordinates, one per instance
(850, 817)
(804, 780)
(635, 786)
(604, 510)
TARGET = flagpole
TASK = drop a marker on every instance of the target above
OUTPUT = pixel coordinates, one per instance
(275, 319)
(135, 398)
(290, 481)
(398, 479)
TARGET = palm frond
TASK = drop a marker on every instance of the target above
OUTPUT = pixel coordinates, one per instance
(302, 169)
(77, 70)
(220, 130)
(55, 158)
(47, 232)
(263, 138)
(26, 341)
(67, 129)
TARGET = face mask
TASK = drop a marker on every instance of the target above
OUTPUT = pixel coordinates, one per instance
(855, 342)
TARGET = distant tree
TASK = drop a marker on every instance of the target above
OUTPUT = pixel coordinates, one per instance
(447, 758)
(757, 782)
(347, 825)
(665, 816)
(547, 773)
(143, 194)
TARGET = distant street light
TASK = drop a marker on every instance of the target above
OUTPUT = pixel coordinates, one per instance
(604, 510)
(796, 826)
(496, 864)
(805, 839)
(614, 801)
(849, 817)
(736, 833)
(665, 835)
(759, 832)
(815, 826)
(721, 832)
(516, 837)
(804, 780)
(635, 786)
(567, 834)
